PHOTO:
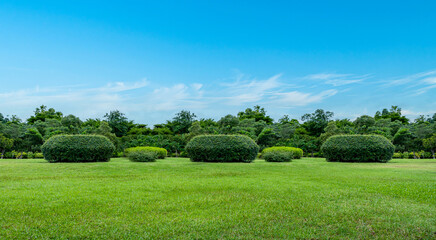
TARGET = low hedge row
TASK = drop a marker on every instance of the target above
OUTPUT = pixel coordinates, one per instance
(222, 148)
(411, 155)
(78, 148)
(297, 153)
(278, 156)
(358, 148)
(161, 153)
(23, 155)
(142, 156)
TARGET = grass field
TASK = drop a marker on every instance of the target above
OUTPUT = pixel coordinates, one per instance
(176, 198)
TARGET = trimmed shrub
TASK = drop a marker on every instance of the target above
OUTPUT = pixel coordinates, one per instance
(297, 153)
(405, 155)
(161, 153)
(397, 155)
(278, 156)
(38, 155)
(222, 148)
(142, 156)
(358, 148)
(78, 148)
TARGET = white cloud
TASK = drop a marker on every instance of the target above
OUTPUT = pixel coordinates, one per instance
(241, 92)
(337, 79)
(419, 78)
(296, 98)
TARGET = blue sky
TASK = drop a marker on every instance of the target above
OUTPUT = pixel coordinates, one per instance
(151, 59)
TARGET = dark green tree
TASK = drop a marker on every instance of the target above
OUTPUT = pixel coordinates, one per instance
(118, 122)
(182, 122)
(42, 113)
(316, 122)
(257, 113)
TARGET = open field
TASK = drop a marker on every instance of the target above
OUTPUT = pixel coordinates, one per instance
(176, 198)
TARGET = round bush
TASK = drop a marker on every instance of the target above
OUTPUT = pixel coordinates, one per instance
(297, 153)
(222, 148)
(77, 148)
(357, 148)
(160, 152)
(142, 156)
(278, 156)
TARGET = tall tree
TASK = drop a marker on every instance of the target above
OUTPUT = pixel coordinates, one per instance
(42, 113)
(118, 122)
(394, 114)
(258, 113)
(430, 143)
(182, 122)
(5, 144)
(316, 122)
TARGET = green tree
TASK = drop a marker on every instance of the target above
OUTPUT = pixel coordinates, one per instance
(316, 122)
(329, 131)
(227, 123)
(182, 122)
(118, 123)
(430, 143)
(73, 124)
(393, 114)
(364, 123)
(105, 130)
(5, 144)
(258, 113)
(267, 138)
(405, 139)
(42, 113)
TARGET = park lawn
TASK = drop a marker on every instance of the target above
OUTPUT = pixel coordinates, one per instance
(176, 198)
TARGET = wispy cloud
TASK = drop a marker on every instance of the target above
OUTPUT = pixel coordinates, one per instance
(296, 98)
(418, 84)
(337, 79)
(271, 90)
(422, 77)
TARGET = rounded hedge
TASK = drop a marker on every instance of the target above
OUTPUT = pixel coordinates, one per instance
(161, 153)
(357, 148)
(222, 148)
(142, 156)
(297, 153)
(278, 156)
(77, 148)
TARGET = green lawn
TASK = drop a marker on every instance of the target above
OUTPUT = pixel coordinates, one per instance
(176, 198)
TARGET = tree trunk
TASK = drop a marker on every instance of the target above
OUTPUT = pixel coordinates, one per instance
(3, 153)
(312, 153)
(432, 151)
(414, 155)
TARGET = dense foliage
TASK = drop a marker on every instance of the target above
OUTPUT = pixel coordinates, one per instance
(297, 153)
(222, 148)
(142, 156)
(161, 153)
(278, 156)
(77, 148)
(19, 138)
(358, 148)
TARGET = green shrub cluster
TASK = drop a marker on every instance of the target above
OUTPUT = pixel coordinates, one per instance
(222, 148)
(297, 153)
(410, 155)
(161, 153)
(78, 148)
(142, 156)
(358, 148)
(23, 155)
(278, 156)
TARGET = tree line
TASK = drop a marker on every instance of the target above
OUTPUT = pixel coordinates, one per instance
(307, 132)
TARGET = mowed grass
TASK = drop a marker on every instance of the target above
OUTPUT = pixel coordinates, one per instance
(178, 199)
